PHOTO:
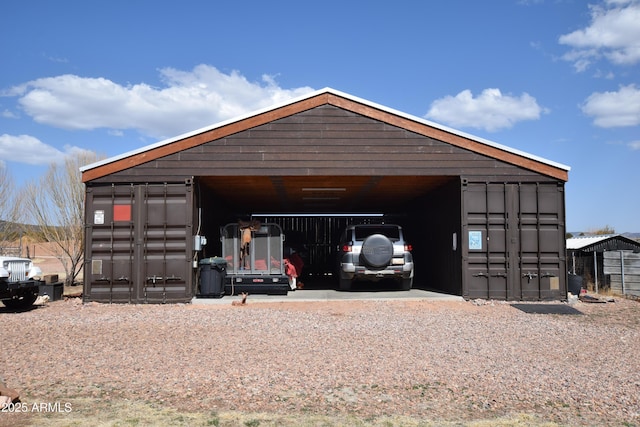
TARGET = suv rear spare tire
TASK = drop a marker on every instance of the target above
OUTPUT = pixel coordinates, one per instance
(377, 250)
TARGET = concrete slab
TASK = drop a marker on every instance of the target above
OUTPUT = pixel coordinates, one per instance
(333, 295)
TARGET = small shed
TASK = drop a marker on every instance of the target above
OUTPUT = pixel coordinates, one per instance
(585, 255)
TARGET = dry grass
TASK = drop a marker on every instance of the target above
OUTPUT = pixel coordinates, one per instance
(120, 413)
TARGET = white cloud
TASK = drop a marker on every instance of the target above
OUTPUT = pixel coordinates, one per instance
(189, 100)
(604, 75)
(30, 150)
(491, 110)
(634, 145)
(614, 109)
(54, 58)
(9, 114)
(613, 33)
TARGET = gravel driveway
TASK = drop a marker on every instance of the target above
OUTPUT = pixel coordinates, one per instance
(437, 361)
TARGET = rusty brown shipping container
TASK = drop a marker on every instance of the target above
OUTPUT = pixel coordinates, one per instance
(138, 243)
(485, 221)
(513, 241)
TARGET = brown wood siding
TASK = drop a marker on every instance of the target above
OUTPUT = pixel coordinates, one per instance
(450, 138)
(325, 140)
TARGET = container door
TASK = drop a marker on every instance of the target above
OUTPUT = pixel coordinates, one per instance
(513, 238)
(543, 271)
(138, 244)
(165, 251)
(489, 261)
(109, 244)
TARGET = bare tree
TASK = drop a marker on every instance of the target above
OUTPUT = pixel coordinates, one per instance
(6, 192)
(55, 204)
(8, 209)
(602, 231)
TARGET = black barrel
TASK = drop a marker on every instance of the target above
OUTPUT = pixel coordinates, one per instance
(212, 274)
(575, 284)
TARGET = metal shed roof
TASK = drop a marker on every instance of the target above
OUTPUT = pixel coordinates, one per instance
(343, 100)
(600, 243)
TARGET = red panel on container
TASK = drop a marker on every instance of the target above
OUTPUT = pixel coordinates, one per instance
(122, 212)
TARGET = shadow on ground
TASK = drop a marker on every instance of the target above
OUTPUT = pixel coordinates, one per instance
(547, 309)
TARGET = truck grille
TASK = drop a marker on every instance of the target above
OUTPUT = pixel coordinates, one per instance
(18, 271)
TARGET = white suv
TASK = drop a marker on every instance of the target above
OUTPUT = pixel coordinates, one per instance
(374, 252)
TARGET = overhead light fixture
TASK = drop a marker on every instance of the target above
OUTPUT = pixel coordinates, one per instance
(321, 198)
(324, 215)
(324, 189)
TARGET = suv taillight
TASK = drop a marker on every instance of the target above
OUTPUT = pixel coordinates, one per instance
(408, 247)
(346, 248)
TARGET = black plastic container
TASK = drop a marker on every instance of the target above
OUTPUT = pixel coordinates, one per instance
(575, 284)
(54, 290)
(213, 272)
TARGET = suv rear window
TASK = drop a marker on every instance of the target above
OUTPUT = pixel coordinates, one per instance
(392, 233)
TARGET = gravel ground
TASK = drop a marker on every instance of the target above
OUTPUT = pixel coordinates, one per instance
(426, 360)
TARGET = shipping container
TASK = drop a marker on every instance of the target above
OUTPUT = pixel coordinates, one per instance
(138, 243)
(513, 241)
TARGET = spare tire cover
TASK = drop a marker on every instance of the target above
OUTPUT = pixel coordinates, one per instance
(377, 250)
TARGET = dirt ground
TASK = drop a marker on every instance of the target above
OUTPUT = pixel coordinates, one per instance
(328, 363)
(338, 363)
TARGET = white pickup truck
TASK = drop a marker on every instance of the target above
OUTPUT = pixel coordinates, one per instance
(19, 282)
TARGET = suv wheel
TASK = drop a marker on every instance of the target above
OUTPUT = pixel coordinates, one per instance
(407, 284)
(377, 250)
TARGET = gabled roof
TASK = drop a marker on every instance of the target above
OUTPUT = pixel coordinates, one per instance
(312, 100)
(591, 243)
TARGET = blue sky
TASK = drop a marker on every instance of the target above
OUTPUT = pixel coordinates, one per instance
(555, 78)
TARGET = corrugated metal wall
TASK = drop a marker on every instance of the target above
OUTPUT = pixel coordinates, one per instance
(513, 241)
(623, 270)
(139, 243)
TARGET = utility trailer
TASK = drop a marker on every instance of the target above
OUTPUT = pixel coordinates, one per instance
(255, 262)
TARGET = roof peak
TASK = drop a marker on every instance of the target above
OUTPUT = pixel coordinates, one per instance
(338, 94)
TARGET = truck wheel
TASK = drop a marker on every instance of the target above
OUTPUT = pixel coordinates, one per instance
(377, 250)
(23, 301)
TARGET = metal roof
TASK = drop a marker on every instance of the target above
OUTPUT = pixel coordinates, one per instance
(597, 243)
(336, 93)
(582, 242)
